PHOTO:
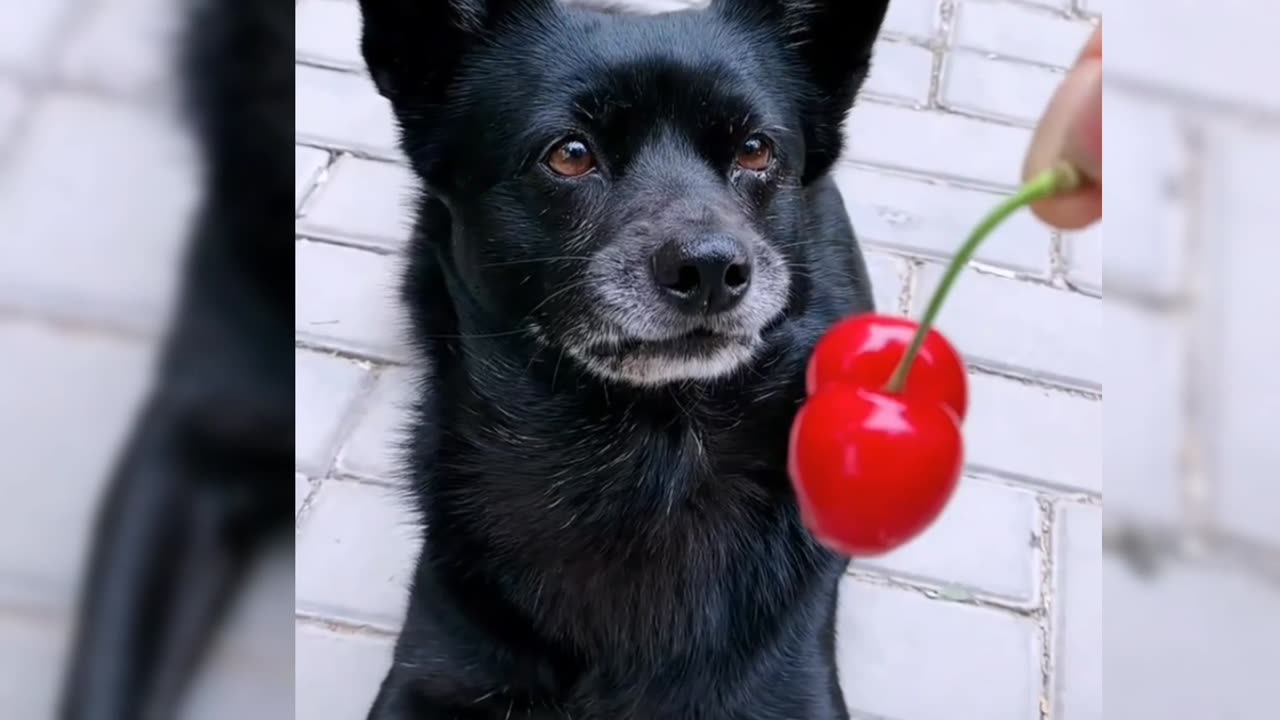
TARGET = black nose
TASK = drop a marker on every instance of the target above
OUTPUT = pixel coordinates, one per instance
(707, 274)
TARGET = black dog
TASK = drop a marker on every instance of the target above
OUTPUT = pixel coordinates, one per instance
(628, 247)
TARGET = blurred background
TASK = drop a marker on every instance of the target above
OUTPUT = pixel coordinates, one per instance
(1191, 579)
(98, 182)
(1180, 617)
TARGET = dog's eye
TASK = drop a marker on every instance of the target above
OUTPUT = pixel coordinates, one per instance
(571, 158)
(755, 154)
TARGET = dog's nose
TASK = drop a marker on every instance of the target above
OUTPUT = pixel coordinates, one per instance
(707, 274)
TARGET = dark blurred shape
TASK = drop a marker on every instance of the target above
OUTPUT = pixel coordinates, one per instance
(204, 480)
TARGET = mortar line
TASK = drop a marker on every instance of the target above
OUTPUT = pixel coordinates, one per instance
(61, 321)
(982, 267)
(932, 177)
(304, 510)
(355, 478)
(1046, 621)
(1191, 100)
(317, 181)
(1032, 486)
(943, 14)
(1059, 12)
(1059, 259)
(1144, 544)
(938, 591)
(331, 145)
(1196, 486)
(356, 149)
(346, 353)
(37, 88)
(936, 107)
(908, 282)
(357, 409)
(343, 241)
(344, 627)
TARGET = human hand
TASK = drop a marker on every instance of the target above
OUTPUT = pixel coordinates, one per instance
(1071, 130)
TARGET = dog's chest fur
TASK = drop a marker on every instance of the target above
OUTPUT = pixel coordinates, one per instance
(625, 538)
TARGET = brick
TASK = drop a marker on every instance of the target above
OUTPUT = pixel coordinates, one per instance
(1145, 383)
(346, 299)
(307, 164)
(984, 542)
(106, 245)
(1020, 327)
(1000, 89)
(28, 31)
(1238, 277)
(31, 665)
(1077, 622)
(328, 31)
(931, 219)
(343, 110)
(325, 392)
(62, 390)
(338, 673)
(363, 200)
(1195, 641)
(1083, 250)
(301, 489)
(887, 275)
(936, 143)
(122, 45)
(895, 642)
(1021, 430)
(1019, 32)
(356, 553)
(913, 18)
(372, 451)
(900, 72)
(1148, 230)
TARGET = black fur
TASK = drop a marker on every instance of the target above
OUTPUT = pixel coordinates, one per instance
(596, 548)
(205, 477)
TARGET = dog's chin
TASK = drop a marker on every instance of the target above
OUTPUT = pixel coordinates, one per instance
(693, 357)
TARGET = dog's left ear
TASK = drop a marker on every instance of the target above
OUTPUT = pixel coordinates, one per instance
(832, 41)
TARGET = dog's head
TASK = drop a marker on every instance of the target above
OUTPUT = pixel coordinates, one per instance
(629, 190)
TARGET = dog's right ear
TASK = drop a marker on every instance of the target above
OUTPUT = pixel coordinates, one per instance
(413, 47)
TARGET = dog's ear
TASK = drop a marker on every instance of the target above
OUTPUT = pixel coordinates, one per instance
(832, 41)
(412, 47)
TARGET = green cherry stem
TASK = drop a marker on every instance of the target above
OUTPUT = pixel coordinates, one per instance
(1061, 178)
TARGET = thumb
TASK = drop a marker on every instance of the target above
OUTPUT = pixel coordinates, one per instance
(1071, 130)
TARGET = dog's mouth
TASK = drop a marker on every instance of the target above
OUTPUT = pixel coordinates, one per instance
(700, 354)
(697, 343)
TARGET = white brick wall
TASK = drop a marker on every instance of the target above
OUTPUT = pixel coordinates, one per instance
(1193, 123)
(964, 607)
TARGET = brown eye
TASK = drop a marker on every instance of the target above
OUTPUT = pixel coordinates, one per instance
(755, 154)
(571, 158)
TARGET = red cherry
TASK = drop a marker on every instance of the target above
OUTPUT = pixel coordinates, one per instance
(864, 350)
(872, 470)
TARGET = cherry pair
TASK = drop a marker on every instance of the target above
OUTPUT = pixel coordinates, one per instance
(872, 467)
(876, 451)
